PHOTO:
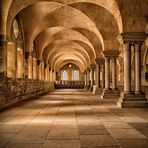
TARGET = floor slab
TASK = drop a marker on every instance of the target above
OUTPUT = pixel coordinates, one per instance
(73, 119)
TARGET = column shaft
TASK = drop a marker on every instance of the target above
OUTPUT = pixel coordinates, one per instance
(3, 56)
(88, 77)
(98, 76)
(45, 72)
(85, 78)
(38, 69)
(107, 73)
(114, 79)
(127, 68)
(32, 68)
(103, 75)
(92, 77)
(27, 55)
(137, 68)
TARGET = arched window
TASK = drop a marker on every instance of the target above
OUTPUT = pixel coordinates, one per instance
(64, 75)
(76, 75)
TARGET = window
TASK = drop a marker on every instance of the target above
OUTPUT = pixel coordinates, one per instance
(76, 75)
(64, 75)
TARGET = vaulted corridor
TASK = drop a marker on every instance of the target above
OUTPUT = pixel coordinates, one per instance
(73, 119)
(73, 73)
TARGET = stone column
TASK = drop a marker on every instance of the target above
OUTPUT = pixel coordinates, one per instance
(107, 73)
(127, 67)
(34, 69)
(38, 69)
(115, 90)
(32, 66)
(130, 99)
(27, 55)
(92, 66)
(97, 88)
(138, 67)
(85, 73)
(114, 79)
(45, 72)
(53, 76)
(3, 56)
(3, 70)
(50, 74)
(110, 55)
(103, 75)
(88, 78)
(98, 68)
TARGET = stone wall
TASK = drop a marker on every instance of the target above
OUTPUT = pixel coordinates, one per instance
(16, 90)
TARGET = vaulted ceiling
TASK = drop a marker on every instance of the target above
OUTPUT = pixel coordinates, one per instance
(75, 31)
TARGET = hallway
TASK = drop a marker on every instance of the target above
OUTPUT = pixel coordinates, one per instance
(73, 119)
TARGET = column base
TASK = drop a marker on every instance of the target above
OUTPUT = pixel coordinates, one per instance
(132, 100)
(91, 89)
(110, 94)
(87, 87)
(97, 90)
(116, 92)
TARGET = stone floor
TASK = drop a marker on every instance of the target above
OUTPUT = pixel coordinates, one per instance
(73, 119)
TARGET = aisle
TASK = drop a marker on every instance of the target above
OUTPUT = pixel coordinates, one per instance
(73, 119)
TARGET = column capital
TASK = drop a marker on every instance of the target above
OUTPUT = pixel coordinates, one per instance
(146, 42)
(3, 41)
(3, 44)
(45, 66)
(27, 54)
(49, 68)
(19, 44)
(38, 62)
(92, 66)
(132, 37)
(85, 71)
(109, 54)
(100, 61)
(88, 68)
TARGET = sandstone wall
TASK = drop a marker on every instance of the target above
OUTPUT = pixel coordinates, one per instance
(13, 91)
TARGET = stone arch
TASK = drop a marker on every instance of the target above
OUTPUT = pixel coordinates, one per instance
(63, 57)
(66, 34)
(62, 63)
(67, 48)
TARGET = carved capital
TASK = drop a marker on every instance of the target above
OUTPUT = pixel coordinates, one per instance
(38, 62)
(100, 61)
(45, 66)
(27, 54)
(3, 42)
(92, 66)
(132, 37)
(85, 71)
(49, 68)
(109, 54)
(88, 68)
(146, 42)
